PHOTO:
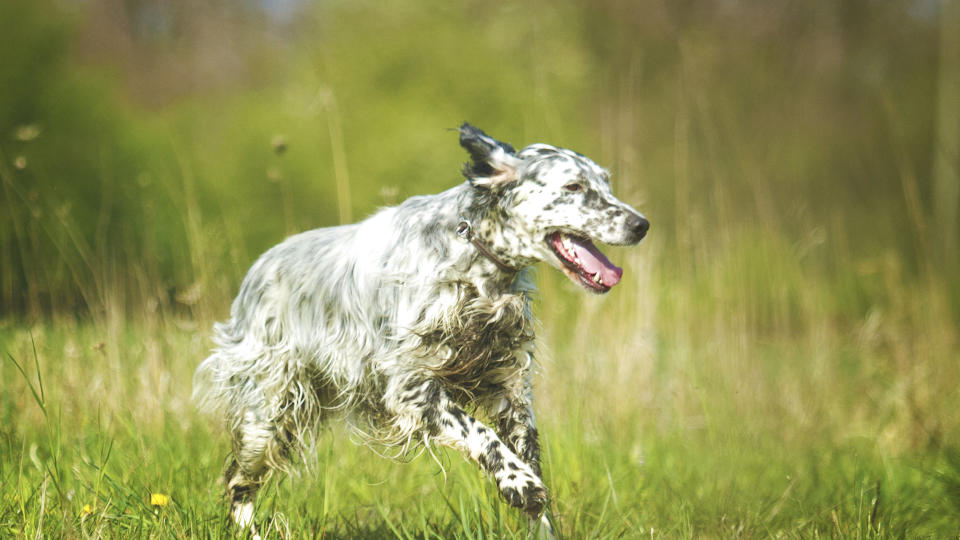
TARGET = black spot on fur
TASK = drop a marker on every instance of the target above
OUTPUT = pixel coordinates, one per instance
(513, 497)
(592, 199)
(492, 458)
(531, 451)
(534, 178)
(427, 399)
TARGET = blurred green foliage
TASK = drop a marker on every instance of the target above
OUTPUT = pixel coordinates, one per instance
(136, 137)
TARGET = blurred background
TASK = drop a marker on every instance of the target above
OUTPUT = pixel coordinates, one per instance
(798, 162)
(139, 138)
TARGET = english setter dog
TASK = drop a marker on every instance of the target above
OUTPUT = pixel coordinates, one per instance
(413, 320)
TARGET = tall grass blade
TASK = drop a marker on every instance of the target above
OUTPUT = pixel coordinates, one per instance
(37, 396)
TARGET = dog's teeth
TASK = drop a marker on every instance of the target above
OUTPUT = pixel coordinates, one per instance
(597, 279)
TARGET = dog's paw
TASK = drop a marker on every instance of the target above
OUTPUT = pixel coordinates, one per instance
(522, 489)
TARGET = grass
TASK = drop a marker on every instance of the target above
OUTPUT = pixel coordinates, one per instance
(780, 360)
(674, 407)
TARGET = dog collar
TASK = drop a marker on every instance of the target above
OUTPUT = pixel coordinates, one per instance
(465, 230)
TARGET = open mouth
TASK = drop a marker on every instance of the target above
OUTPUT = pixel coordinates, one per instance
(584, 263)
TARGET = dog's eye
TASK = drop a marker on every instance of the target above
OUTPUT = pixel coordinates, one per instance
(573, 187)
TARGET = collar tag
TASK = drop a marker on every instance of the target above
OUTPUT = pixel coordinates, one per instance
(464, 229)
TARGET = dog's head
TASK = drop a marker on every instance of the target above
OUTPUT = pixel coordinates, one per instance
(555, 202)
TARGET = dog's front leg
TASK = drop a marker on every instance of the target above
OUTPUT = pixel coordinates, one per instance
(519, 483)
(448, 424)
(516, 425)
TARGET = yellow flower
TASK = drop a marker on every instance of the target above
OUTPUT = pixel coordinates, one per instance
(87, 510)
(159, 499)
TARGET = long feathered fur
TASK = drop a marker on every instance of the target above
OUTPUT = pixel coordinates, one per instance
(335, 323)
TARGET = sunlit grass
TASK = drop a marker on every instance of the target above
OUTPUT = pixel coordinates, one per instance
(675, 406)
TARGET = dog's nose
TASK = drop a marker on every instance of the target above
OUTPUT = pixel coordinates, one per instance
(638, 225)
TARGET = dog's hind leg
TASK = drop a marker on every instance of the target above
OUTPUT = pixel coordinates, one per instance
(242, 489)
(260, 446)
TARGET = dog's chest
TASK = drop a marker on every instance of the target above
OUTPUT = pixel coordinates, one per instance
(481, 344)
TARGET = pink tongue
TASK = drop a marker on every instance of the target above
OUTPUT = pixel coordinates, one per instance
(595, 262)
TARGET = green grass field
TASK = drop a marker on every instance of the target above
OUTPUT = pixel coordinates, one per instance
(669, 408)
(781, 358)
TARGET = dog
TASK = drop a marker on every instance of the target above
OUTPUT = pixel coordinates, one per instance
(414, 320)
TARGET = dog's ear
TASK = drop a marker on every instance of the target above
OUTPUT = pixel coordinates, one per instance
(493, 164)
